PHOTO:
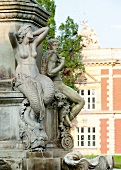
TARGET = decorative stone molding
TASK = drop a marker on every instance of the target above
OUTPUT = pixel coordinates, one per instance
(101, 62)
(25, 11)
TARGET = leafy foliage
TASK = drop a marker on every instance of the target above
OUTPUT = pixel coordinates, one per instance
(49, 5)
(70, 49)
(117, 161)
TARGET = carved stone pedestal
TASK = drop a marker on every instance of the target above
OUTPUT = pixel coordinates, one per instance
(41, 161)
(13, 155)
(10, 102)
(23, 160)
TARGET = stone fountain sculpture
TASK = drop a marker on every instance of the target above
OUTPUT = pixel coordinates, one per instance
(35, 113)
(40, 90)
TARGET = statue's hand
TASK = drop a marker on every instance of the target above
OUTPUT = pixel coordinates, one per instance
(62, 60)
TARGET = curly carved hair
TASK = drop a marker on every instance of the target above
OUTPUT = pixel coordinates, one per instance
(51, 41)
(22, 32)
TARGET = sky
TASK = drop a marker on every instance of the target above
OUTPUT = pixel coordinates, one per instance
(102, 15)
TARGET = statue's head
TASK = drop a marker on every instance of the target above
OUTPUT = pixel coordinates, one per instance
(22, 32)
(53, 44)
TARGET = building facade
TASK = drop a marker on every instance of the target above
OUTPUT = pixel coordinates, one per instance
(98, 126)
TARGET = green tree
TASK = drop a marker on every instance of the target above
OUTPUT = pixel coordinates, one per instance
(49, 5)
(70, 49)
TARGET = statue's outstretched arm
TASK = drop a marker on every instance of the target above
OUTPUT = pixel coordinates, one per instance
(41, 34)
(13, 39)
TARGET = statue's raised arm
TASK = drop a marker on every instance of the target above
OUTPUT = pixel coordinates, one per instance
(41, 33)
(13, 38)
(25, 41)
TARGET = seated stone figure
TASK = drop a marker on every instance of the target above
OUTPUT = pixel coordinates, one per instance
(52, 64)
(37, 88)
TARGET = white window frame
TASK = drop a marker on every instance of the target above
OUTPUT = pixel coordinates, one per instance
(89, 96)
(85, 138)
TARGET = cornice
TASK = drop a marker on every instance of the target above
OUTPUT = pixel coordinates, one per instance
(23, 11)
(93, 112)
(101, 62)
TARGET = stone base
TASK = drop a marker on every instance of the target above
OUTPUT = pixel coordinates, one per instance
(10, 106)
(24, 160)
(13, 155)
(42, 164)
(15, 145)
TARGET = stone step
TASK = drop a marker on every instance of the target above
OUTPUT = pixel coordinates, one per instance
(24, 154)
(11, 145)
(39, 155)
(25, 160)
(42, 164)
(12, 154)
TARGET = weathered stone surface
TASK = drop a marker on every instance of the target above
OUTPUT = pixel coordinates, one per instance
(59, 153)
(4, 165)
(8, 154)
(51, 126)
(11, 164)
(42, 164)
(24, 160)
(8, 123)
(4, 124)
(39, 155)
(9, 120)
(11, 144)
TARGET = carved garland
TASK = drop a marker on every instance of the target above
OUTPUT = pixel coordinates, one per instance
(62, 104)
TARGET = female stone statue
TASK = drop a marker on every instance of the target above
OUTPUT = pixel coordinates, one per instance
(37, 88)
(24, 44)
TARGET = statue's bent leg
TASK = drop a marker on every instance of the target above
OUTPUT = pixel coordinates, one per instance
(74, 97)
